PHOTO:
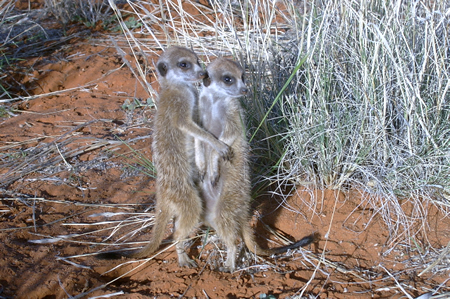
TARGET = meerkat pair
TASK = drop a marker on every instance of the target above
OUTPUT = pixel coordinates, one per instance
(209, 183)
(173, 152)
(173, 141)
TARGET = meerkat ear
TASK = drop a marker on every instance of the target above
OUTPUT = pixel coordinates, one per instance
(206, 80)
(162, 69)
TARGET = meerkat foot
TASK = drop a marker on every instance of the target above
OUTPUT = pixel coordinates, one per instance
(229, 266)
(185, 261)
(230, 263)
(226, 270)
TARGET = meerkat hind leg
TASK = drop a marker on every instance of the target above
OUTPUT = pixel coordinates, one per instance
(183, 259)
(228, 232)
(230, 263)
(185, 224)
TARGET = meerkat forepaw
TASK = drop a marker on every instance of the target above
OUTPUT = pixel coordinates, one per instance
(229, 155)
(201, 177)
(215, 179)
(201, 174)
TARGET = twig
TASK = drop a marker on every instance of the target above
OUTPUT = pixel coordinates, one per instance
(33, 207)
(442, 255)
(62, 287)
(396, 282)
(144, 261)
(46, 94)
(62, 157)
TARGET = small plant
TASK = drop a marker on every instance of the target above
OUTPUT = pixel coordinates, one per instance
(88, 12)
(144, 164)
(109, 23)
(3, 111)
(132, 23)
(137, 103)
(19, 154)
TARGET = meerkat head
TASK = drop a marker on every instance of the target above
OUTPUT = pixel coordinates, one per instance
(226, 77)
(179, 64)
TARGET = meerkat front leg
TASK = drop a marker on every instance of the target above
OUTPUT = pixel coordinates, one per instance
(223, 149)
(214, 168)
(200, 160)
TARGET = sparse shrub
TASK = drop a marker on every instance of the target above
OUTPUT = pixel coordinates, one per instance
(89, 12)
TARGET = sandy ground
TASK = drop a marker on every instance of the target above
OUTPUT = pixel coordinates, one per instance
(71, 183)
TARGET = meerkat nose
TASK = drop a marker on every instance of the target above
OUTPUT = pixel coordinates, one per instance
(244, 90)
(202, 74)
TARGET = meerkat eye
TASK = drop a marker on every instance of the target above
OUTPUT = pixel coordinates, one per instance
(184, 65)
(228, 80)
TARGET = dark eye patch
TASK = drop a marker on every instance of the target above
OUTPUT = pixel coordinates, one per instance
(184, 65)
(228, 80)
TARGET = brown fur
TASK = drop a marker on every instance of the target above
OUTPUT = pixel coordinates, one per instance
(225, 185)
(174, 130)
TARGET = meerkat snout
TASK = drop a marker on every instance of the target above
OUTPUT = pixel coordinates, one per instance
(202, 74)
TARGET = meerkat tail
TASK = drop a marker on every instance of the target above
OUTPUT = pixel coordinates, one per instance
(301, 243)
(162, 220)
(249, 240)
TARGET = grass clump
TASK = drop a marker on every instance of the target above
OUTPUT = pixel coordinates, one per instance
(89, 12)
(367, 108)
(371, 105)
(6, 7)
(370, 108)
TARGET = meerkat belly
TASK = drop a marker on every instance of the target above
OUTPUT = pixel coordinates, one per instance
(213, 121)
(211, 195)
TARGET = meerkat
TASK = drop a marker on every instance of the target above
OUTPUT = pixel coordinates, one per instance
(173, 152)
(225, 185)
